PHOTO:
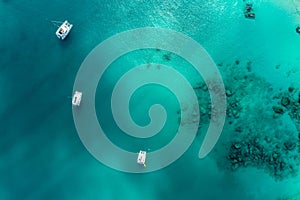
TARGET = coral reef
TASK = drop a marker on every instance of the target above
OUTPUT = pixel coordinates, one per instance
(263, 125)
(289, 102)
(248, 11)
(278, 159)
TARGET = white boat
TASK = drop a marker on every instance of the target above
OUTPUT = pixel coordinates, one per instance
(76, 99)
(141, 159)
(64, 30)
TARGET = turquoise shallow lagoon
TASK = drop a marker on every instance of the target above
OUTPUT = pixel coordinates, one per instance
(257, 156)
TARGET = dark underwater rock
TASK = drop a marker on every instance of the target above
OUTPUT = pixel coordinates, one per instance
(285, 101)
(237, 145)
(238, 129)
(167, 57)
(291, 89)
(235, 113)
(249, 63)
(278, 109)
(229, 93)
(289, 145)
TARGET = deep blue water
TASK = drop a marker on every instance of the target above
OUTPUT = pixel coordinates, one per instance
(41, 155)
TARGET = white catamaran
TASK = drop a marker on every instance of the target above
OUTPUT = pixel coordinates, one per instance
(141, 159)
(64, 29)
(76, 99)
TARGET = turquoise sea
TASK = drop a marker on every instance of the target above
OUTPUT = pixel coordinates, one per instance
(258, 154)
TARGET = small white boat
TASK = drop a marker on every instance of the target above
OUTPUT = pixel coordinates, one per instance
(64, 30)
(141, 159)
(76, 98)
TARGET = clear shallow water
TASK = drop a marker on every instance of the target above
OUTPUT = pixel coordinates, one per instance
(41, 154)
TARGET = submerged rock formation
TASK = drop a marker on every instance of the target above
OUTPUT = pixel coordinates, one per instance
(257, 134)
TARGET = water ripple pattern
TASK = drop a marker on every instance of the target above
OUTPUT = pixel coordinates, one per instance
(92, 69)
